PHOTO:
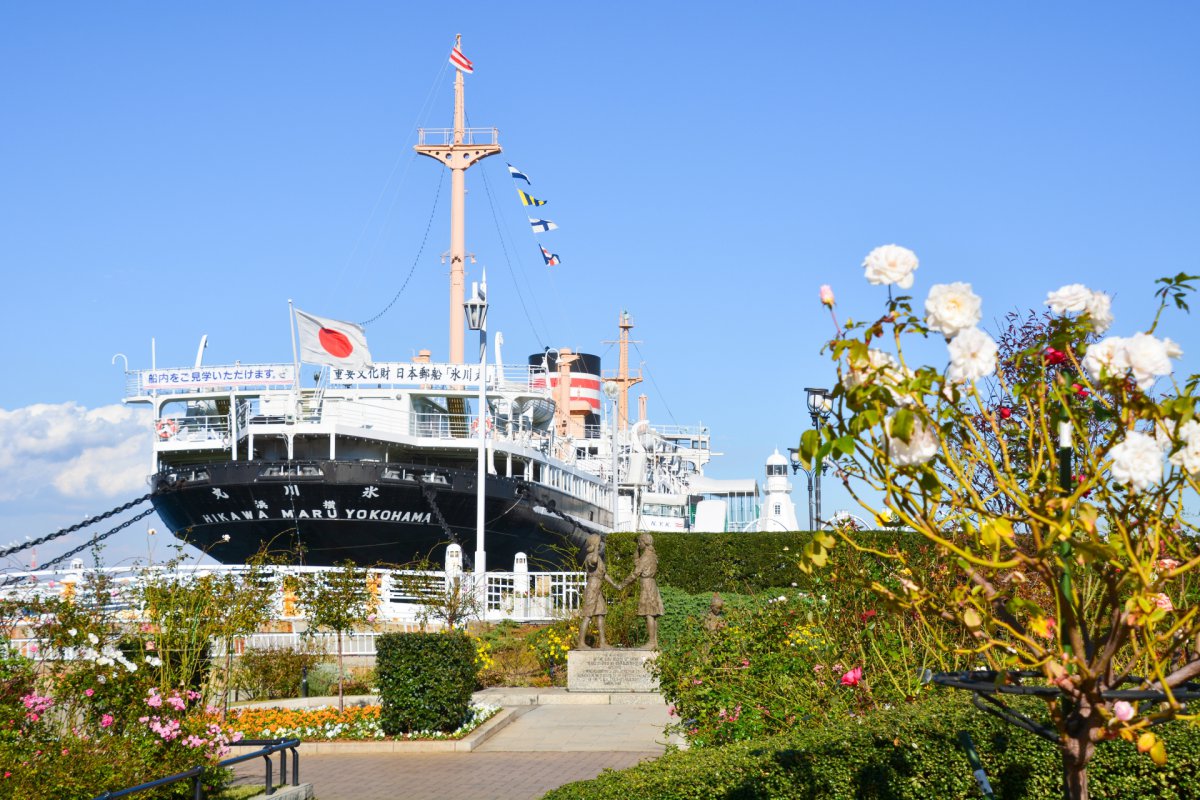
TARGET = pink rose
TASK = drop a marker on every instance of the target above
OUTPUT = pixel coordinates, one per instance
(1122, 711)
(827, 296)
(106, 721)
(852, 677)
(89, 692)
(1163, 602)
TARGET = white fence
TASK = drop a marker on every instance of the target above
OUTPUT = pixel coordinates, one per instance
(403, 597)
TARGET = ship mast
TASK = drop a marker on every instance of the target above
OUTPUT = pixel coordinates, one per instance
(623, 379)
(458, 150)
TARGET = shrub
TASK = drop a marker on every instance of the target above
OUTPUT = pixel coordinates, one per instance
(551, 644)
(425, 680)
(323, 680)
(269, 673)
(510, 660)
(749, 563)
(905, 753)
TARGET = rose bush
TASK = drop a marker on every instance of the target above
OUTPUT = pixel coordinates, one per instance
(1068, 466)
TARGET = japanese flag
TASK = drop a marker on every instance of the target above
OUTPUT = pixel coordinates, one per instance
(329, 341)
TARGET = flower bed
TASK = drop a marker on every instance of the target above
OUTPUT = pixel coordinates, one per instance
(357, 723)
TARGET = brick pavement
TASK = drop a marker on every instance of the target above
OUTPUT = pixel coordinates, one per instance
(453, 776)
(545, 747)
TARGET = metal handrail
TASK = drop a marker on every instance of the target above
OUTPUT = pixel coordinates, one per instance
(267, 747)
(445, 136)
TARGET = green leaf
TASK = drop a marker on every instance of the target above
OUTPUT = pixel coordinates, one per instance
(902, 425)
(845, 445)
(810, 442)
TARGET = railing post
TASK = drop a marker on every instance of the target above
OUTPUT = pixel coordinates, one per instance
(295, 766)
(283, 766)
(270, 779)
(198, 786)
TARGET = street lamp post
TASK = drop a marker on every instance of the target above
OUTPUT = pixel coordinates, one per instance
(798, 466)
(819, 405)
(476, 309)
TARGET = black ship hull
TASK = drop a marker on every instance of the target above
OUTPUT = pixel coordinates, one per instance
(325, 512)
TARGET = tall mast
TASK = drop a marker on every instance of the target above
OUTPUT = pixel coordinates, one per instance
(623, 379)
(458, 149)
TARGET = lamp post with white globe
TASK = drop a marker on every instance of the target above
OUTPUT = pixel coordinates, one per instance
(477, 308)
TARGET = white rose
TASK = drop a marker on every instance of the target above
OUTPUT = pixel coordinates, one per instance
(864, 370)
(1188, 456)
(1070, 299)
(890, 264)
(1137, 461)
(1106, 358)
(951, 307)
(919, 448)
(1099, 308)
(881, 368)
(1173, 348)
(1148, 359)
(972, 355)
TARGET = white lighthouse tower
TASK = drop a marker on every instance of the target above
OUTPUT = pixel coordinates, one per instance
(778, 510)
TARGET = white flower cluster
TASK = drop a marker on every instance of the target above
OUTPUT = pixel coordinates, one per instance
(921, 446)
(1187, 457)
(1137, 461)
(890, 264)
(972, 355)
(877, 365)
(1076, 298)
(1141, 356)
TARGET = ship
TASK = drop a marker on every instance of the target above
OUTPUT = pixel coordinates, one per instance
(384, 463)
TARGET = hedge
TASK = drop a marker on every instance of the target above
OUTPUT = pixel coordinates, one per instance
(425, 681)
(748, 563)
(907, 753)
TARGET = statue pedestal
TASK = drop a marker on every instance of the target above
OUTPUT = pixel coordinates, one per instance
(610, 671)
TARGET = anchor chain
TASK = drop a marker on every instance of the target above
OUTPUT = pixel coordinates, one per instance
(8, 551)
(431, 498)
(90, 543)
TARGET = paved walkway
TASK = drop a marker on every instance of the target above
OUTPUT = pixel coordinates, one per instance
(543, 748)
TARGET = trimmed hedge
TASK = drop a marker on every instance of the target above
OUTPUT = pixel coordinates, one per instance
(907, 753)
(425, 681)
(748, 563)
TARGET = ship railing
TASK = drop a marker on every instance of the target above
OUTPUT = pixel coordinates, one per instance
(142, 384)
(206, 430)
(682, 431)
(445, 136)
(443, 426)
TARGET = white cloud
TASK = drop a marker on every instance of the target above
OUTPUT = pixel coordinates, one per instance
(74, 452)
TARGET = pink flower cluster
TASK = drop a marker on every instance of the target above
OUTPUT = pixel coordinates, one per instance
(731, 717)
(36, 705)
(167, 730)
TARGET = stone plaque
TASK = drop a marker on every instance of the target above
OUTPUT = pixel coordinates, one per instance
(610, 671)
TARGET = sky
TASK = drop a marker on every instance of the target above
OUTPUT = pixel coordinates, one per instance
(175, 170)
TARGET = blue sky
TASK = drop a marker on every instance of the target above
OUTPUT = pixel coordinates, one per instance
(173, 170)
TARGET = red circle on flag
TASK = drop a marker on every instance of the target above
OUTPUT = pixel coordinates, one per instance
(336, 343)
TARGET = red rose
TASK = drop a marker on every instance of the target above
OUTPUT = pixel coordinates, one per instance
(1053, 357)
